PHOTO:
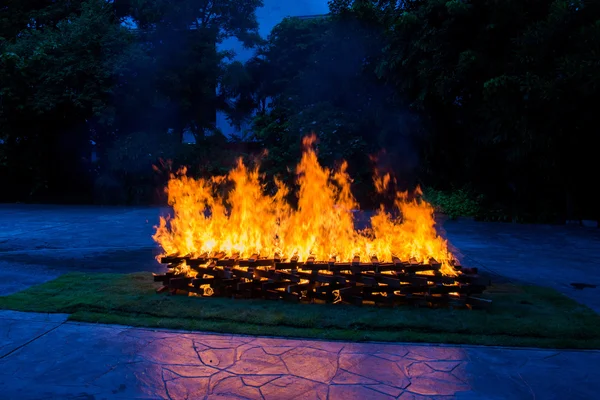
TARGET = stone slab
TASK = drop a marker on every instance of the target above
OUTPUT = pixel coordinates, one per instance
(78, 360)
(17, 329)
(548, 255)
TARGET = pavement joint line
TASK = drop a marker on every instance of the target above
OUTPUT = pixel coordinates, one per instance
(31, 341)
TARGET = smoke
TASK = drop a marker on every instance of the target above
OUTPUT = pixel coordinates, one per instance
(341, 77)
(398, 140)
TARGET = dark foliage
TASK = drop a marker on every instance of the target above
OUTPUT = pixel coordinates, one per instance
(492, 100)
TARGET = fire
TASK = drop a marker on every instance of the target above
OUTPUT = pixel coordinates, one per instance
(232, 214)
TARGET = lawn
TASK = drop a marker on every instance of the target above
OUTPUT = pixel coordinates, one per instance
(519, 315)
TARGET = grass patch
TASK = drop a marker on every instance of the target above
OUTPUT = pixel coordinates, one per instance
(520, 315)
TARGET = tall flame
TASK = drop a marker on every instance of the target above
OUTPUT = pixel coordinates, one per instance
(246, 221)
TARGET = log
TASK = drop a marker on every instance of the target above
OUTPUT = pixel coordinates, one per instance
(287, 275)
(162, 289)
(171, 260)
(241, 286)
(354, 282)
(291, 297)
(412, 268)
(263, 273)
(478, 301)
(180, 283)
(275, 285)
(197, 261)
(240, 273)
(202, 281)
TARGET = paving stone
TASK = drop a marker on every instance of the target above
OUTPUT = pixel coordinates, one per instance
(217, 378)
(234, 386)
(258, 380)
(44, 357)
(277, 350)
(121, 362)
(218, 358)
(418, 369)
(562, 254)
(215, 342)
(436, 353)
(356, 392)
(186, 388)
(148, 381)
(382, 371)
(413, 396)
(26, 316)
(348, 378)
(392, 391)
(331, 347)
(437, 383)
(445, 366)
(276, 342)
(291, 387)
(256, 362)
(15, 333)
(389, 351)
(311, 363)
(191, 371)
(391, 357)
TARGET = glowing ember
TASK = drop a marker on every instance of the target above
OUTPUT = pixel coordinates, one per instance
(245, 221)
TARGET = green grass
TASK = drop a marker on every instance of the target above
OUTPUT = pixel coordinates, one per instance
(519, 316)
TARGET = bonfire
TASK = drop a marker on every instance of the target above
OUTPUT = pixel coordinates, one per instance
(214, 232)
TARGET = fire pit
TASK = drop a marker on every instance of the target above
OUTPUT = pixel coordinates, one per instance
(229, 238)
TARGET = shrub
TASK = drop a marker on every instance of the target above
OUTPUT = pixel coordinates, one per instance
(457, 203)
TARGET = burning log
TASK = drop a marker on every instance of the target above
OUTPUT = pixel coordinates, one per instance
(383, 283)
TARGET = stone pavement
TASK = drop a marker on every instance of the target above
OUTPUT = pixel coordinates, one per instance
(545, 255)
(39, 242)
(44, 357)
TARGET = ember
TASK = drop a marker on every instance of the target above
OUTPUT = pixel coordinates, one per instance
(254, 244)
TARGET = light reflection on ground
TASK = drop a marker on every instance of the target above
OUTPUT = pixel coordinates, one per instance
(193, 366)
(43, 356)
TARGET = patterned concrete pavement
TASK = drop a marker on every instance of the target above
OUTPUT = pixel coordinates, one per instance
(547, 255)
(40, 242)
(44, 357)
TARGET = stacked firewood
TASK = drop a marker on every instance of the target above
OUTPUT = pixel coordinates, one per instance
(356, 282)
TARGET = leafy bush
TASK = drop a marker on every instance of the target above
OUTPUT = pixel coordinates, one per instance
(457, 203)
(128, 176)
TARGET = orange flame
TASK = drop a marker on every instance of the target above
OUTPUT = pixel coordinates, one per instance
(246, 221)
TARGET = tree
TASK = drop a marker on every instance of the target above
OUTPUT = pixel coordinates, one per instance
(320, 76)
(71, 73)
(490, 80)
(55, 75)
(188, 69)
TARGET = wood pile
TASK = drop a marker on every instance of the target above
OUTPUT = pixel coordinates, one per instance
(356, 282)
